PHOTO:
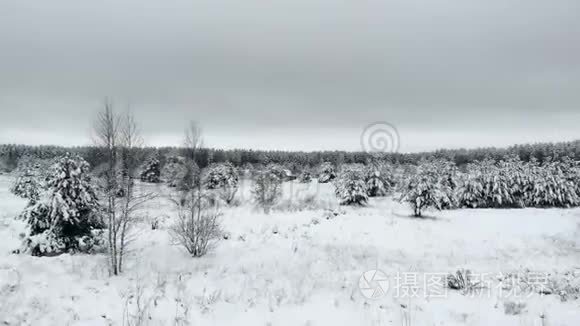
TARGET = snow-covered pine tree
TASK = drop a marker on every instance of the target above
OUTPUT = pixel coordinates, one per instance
(351, 187)
(449, 182)
(470, 192)
(515, 174)
(31, 178)
(174, 170)
(224, 178)
(151, 171)
(488, 184)
(379, 179)
(496, 188)
(327, 173)
(572, 174)
(64, 218)
(554, 185)
(423, 189)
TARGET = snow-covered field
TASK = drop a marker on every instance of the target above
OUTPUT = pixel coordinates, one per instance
(301, 265)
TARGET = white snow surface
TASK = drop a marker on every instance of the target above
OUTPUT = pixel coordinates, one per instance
(294, 267)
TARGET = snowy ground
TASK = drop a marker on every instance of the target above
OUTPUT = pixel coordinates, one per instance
(300, 268)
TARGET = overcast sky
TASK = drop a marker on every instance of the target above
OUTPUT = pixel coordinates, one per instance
(294, 74)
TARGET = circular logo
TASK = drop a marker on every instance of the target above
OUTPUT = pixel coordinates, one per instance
(380, 137)
(373, 284)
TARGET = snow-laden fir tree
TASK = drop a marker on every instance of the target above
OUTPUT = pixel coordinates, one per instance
(511, 183)
(28, 186)
(554, 185)
(151, 170)
(514, 176)
(485, 185)
(470, 193)
(174, 170)
(350, 186)
(379, 179)
(31, 178)
(66, 215)
(449, 181)
(224, 178)
(267, 190)
(327, 173)
(423, 189)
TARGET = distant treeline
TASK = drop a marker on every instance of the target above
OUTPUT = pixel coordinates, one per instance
(10, 155)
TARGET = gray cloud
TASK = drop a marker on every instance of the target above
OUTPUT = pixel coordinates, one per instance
(258, 73)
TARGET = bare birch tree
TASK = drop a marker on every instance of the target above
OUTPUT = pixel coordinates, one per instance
(119, 138)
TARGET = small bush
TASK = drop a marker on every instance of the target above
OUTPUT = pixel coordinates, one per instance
(198, 226)
(461, 280)
(267, 190)
(327, 173)
(305, 177)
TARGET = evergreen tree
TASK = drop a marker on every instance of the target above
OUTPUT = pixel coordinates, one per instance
(174, 171)
(31, 178)
(379, 179)
(64, 218)
(424, 190)
(350, 186)
(151, 171)
(224, 178)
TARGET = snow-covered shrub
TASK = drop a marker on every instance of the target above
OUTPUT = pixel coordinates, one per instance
(424, 190)
(327, 173)
(151, 171)
(277, 170)
(198, 225)
(223, 177)
(350, 186)
(305, 177)
(267, 190)
(174, 171)
(64, 217)
(461, 280)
